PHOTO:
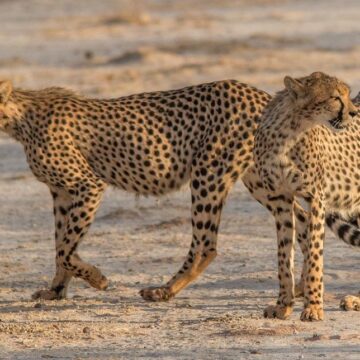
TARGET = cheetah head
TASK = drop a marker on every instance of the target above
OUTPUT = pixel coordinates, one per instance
(8, 109)
(321, 99)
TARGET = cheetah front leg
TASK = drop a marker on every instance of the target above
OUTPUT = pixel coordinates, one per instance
(285, 226)
(313, 279)
(207, 203)
(58, 290)
(273, 204)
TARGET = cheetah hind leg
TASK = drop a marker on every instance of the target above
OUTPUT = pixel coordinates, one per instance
(181, 280)
(60, 283)
(77, 226)
(202, 252)
(69, 217)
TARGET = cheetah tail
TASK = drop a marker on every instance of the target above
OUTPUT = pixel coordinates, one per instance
(346, 230)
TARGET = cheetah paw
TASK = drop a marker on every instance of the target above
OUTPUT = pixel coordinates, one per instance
(100, 284)
(48, 295)
(350, 302)
(162, 293)
(312, 313)
(278, 311)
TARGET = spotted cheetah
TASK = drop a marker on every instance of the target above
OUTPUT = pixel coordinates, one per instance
(307, 146)
(149, 144)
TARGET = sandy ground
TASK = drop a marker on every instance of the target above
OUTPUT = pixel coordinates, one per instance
(113, 48)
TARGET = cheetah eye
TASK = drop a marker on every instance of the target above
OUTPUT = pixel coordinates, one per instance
(335, 98)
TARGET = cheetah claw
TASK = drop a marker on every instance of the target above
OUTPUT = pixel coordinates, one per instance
(312, 313)
(156, 293)
(278, 311)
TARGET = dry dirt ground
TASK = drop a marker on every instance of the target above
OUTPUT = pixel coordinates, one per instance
(113, 48)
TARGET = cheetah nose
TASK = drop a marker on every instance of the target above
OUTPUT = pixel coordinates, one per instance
(353, 113)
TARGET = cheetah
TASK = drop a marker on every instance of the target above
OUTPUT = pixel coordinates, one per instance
(307, 146)
(148, 144)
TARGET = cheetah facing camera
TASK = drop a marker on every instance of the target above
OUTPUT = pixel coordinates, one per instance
(149, 144)
(296, 157)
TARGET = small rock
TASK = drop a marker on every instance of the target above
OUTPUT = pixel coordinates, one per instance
(38, 305)
(255, 352)
(86, 330)
(317, 337)
(89, 55)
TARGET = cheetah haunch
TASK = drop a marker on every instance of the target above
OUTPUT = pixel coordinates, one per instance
(300, 152)
(148, 144)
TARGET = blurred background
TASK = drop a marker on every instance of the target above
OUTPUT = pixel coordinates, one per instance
(118, 47)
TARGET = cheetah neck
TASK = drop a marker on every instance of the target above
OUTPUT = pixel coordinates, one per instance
(286, 129)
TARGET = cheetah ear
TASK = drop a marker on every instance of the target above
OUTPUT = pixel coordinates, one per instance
(295, 88)
(5, 91)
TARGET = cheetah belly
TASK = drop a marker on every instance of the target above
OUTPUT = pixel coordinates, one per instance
(147, 174)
